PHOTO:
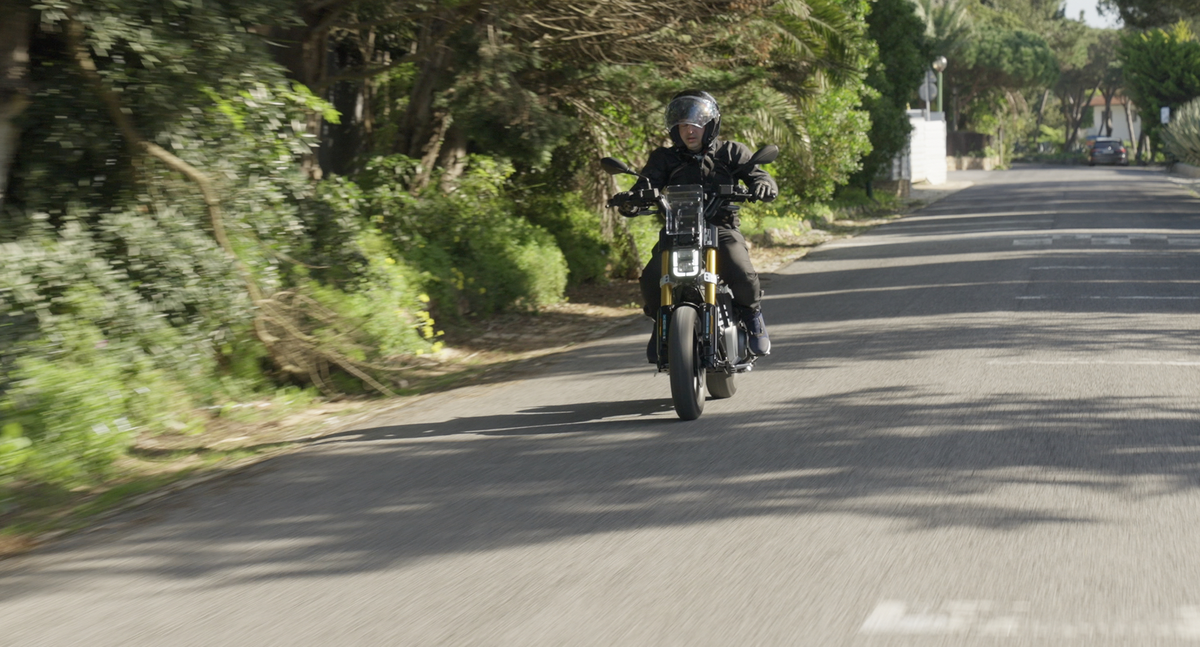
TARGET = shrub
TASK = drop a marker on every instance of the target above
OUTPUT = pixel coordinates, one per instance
(475, 254)
(1182, 136)
(576, 230)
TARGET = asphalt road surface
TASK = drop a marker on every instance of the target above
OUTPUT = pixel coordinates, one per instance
(978, 426)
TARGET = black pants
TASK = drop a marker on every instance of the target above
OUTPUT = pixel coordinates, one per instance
(733, 265)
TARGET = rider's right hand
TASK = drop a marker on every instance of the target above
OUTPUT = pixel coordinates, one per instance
(625, 204)
(618, 199)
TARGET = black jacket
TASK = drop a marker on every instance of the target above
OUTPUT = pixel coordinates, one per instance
(723, 163)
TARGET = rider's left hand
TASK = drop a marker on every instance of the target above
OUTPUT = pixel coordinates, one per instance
(764, 193)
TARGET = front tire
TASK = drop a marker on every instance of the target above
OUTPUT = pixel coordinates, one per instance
(687, 371)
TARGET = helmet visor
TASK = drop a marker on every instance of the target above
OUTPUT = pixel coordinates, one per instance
(696, 111)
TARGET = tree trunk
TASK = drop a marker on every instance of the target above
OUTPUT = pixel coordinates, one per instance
(421, 123)
(1041, 114)
(1129, 122)
(1074, 115)
(1106, 122)
(14, 92)
(452, 158)
(305, 55)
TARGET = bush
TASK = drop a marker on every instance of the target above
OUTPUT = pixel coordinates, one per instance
(88, 358)
(474, 254)
(1182, 137)
(576, 230)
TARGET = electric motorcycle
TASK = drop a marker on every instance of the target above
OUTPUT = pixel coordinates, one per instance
(699, 339)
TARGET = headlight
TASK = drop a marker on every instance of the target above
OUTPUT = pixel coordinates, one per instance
(685, 262)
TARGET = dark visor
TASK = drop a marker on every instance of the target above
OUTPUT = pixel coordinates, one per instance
(696, 111)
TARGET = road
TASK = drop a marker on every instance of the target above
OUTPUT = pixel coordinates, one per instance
(978, 426)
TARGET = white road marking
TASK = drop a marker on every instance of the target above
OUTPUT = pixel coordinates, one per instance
(1091, 362)
(1108, 239)
(1051, 296)
(987, 618)
(1109, 267)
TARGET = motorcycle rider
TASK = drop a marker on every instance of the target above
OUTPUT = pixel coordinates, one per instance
(697, 156)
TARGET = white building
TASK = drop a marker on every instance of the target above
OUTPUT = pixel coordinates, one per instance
(923, 159)
(1120, 127)
(927, 146)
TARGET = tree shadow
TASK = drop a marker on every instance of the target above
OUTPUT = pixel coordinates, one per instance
(374, 498)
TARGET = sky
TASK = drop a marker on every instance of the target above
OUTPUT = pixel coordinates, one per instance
(1090, 15)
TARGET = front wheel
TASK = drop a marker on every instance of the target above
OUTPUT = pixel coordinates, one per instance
(687, 371)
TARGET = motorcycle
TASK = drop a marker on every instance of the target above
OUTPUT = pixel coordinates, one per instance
(700, 341)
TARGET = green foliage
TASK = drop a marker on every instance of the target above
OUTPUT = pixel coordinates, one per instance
(475, 253)
(1182, 135)
(838, 128)
(1146, 14)
(904, 55)
(947, 24)
(1162, 68)
(118, 309)
(575, 231)
(999, 60)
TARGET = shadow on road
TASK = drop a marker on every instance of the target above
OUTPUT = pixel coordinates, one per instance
(491, 482)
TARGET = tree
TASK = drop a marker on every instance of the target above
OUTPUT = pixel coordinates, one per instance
(904, 55)
(948, 25)
(1081, 67)
(1146, 14)
(1112, 78)
(1162, 68)
(1001, 62)
(14, 89)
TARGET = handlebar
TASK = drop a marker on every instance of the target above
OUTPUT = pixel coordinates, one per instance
(735, 193)
(649, 198)
(643, 198)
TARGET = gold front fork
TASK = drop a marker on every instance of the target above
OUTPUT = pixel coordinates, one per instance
(667, 297)
(710, 264)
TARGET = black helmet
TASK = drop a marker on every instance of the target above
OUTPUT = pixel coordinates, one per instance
(695, 107)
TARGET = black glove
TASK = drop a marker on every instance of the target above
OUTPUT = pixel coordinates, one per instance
(764, 193)
(624, 203)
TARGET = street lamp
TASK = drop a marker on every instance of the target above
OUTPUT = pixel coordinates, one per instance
(939, 64)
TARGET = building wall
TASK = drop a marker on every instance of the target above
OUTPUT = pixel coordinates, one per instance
(1120, 129)
(927, 146)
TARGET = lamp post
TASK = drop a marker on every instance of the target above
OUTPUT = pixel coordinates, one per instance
(939, 64)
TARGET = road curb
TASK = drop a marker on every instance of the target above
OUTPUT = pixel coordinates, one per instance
(1186, 170)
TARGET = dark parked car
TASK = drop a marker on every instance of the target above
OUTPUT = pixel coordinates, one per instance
(1107, 150)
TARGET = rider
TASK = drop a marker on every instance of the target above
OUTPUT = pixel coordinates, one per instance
(698, 157)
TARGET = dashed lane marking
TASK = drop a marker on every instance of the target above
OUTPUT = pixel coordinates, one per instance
(987, 618)
(1107, 240)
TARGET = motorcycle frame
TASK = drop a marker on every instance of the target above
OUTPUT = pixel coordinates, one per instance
(687, 227)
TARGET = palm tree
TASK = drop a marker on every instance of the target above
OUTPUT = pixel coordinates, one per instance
(947, 24)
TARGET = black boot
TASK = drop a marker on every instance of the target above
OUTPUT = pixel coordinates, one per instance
(652, 348)
(759, 342)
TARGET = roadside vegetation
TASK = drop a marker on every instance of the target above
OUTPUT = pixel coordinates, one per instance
(219, 216)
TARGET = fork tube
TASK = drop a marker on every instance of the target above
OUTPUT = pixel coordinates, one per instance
(710, 264)
(667, 298)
